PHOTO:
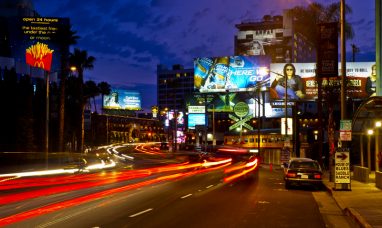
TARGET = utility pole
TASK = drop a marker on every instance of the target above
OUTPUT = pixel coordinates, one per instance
(355, 50)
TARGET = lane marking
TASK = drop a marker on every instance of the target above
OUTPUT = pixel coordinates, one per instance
(209, 186)
(183, 197)
(139, 213)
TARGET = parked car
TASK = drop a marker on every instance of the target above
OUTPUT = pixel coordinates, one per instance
(302, 171)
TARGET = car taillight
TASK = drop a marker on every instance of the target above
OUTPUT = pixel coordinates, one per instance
(291, 174)
(317, 176)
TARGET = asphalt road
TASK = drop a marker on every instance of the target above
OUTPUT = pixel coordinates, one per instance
(200, 200)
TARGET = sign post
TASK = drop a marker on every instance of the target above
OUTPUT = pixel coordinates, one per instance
(342, 170)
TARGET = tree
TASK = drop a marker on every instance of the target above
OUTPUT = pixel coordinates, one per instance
(67, 37)
(81, 60)
(307, 18)
(104, 89)
(91, 90)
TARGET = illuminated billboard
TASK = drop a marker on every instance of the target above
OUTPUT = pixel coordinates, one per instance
(171, 116)
(302, 84)
(196, 119)
(122, 99)
(38, 41)
(231, 73)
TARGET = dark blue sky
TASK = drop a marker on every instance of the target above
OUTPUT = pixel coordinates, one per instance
(129, 37)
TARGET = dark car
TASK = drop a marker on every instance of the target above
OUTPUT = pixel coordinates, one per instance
(302, 171)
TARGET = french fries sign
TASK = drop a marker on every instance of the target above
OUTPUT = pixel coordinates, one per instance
(39, 55)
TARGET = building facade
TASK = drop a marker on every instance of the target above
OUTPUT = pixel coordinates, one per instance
(274, 36)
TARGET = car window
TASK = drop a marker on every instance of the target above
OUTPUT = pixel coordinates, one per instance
(304, 164)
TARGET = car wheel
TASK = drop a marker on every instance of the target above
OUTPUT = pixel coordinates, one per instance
(287, 185)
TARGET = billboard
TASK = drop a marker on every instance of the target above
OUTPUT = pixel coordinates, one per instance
(196, 119)
(38, 41)
(302, 84)
(122, 99)
(170, 115)
(230, 73)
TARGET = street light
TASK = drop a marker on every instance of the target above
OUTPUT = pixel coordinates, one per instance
(213, 125)
(370, 132)
(378, 124)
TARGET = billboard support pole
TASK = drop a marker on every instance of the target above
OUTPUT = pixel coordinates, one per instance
(47, 120)
(286, 108)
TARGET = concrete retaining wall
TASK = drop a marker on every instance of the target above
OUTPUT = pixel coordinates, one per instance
(378, 179)
(361, 174)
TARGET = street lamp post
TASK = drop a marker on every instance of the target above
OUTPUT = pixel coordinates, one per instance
(286, 108)
(378, 124)
(370, 132)
(213, 126)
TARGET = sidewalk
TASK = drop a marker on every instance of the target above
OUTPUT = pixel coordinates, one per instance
(363, 203)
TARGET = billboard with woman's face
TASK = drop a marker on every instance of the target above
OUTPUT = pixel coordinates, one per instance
(302, 84)
(122, 99)
(230, 73)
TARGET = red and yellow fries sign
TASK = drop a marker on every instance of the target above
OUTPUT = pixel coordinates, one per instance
(39, 55)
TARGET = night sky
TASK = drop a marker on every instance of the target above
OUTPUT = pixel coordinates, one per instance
(129, 37)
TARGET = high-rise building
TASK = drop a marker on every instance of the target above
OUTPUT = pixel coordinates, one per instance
(174, 85)
(274, 36)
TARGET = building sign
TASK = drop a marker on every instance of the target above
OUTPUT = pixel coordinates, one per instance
(241, 109)
(342, 167)
(290, 126)
(154, 111)
(196, 109)
(327, 50)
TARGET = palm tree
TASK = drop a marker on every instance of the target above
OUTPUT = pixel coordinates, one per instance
(67, 37)
(91, 90)
(104, 89)
(307, 18)
(81, 60)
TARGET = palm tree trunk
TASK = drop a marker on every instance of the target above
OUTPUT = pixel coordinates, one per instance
(95, 106)
(82, 107)
(62, 114)
(82, 140)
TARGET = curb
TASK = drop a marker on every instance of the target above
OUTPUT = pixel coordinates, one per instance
(351, 212)
(357, 217)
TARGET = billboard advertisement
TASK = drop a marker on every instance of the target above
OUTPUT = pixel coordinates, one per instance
(302, 84)
(196, 119)
(122, 99)
(170, 115)
(37, 41)
(230, 73)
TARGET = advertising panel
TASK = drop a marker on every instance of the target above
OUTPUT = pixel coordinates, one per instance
(38, 40)
(196, 119)
(263, 42)
(327, 51)
(171, 116)
(302, 84)
(230, 73)
(196, 109)
(122, 99)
